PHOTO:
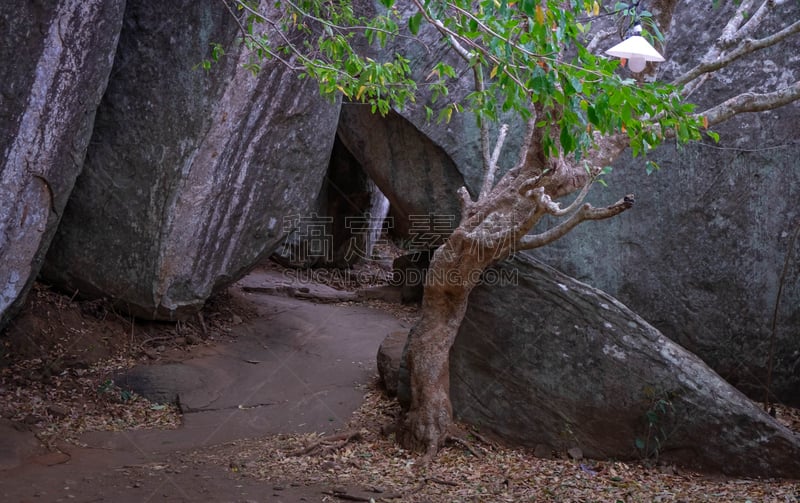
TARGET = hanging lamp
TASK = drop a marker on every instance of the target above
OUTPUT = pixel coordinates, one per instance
(636, 50)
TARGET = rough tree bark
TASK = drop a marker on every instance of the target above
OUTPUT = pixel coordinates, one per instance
(430, 416)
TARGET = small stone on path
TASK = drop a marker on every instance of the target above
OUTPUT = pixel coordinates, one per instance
(575, 453)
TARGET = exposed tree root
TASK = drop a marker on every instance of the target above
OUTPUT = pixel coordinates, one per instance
(150, 340)
(440, 481)
(324, 445)
(426, 459)
(434, 480)
(454, 434)
(481, 438)
(458, 439)
(346, 496)
(389, 428)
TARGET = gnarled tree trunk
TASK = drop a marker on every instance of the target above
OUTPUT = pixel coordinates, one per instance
(491, 228)
(450, 280)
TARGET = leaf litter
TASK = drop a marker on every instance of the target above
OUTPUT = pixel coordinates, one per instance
(59, 357)
(63, 406)
(361, 463)
(374, 468)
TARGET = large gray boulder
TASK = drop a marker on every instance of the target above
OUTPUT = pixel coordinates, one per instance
(713, 238)
(191, 176)
(544, 360)
(416, 175)
(56, 58)
(702, 255)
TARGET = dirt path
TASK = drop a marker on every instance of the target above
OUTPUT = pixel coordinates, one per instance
(291, 366)
(298, 366)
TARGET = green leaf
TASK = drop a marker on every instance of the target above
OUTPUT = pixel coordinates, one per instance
(639, 443)
(387, 3)
(217, 51)
(414, 22)
(566, 139)
(591, 114)
(627, 113)
(683, 131)
(576, 84)
(529, 7)
(445, 114)
(714, 136)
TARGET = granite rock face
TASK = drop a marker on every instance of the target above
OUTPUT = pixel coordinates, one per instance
(712, 240)
(575, 368)
(191, 176)
(56, 58)
(706, 269)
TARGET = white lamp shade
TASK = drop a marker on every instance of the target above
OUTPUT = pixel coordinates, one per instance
(637, 49)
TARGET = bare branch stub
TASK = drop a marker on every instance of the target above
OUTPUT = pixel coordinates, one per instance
(465, 199)
(491, 167)
(586, 212)
(752, 20)
(728, 36)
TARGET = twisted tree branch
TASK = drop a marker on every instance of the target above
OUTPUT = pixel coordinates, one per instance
(752, 102)
(586, 212)
(753, 22)
(555, 209)
(728, 36)
(746, 47)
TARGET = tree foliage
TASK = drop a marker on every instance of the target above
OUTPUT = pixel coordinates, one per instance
(523, 53)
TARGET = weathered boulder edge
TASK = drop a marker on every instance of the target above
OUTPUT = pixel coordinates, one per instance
(548, 360)
(191, 177)
(53, 83)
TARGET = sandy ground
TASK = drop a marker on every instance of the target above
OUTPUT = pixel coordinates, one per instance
(299, 361)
